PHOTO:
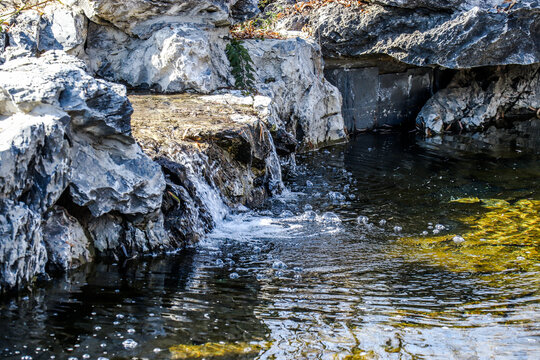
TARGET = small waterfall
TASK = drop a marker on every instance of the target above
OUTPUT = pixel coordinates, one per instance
(273, 167)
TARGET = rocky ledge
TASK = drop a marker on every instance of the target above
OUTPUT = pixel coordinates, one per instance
(215, 151)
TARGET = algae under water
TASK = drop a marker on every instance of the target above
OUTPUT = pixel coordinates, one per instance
(384, 248)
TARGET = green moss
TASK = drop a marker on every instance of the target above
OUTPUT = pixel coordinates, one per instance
(217, 350)
(507, 237)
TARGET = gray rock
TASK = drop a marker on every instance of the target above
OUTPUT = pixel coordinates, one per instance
(22, 252)
(175, 58)
(454, 33)
(56, 28)
(373, 98)
(137, 17)
(476, 99)
(65, 239)
(66, 137)
(290, 72)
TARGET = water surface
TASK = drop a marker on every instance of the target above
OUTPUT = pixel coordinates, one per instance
(338, 267)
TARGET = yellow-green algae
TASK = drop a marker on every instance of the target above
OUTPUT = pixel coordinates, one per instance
(212, 350)
(506, 237)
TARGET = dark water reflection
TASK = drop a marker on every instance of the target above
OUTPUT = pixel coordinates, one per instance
(307, 285)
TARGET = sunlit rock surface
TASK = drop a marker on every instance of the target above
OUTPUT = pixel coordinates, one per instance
(65, 137)
(454, 34)
(215, 151)
(290, 72)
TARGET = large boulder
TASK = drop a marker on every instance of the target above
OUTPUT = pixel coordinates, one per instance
(291, 73)
(476, 99)
(451, 33)
(175, 58)
(65, 139)
(32, 32)
(139, 17)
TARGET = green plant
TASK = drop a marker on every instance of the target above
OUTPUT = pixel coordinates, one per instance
(241, 65)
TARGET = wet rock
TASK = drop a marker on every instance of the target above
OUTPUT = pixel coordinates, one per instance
(66, 137)
(66, 241)
(476, 99)
(215, 154)
(454, 34)
(22, 252)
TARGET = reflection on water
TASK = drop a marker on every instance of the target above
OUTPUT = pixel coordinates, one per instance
(361, 259)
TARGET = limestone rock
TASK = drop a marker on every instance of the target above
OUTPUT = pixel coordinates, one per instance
(136, 17)
(65, 239)
(66, 137)
(290, 72)
(476, 99)
(174, 58)
(56, 28)
(451, 33)
(22, 252)
(216, 153)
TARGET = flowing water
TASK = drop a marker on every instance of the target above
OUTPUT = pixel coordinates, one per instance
(382, 248)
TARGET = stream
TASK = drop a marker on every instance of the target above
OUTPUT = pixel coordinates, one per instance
(387, 247)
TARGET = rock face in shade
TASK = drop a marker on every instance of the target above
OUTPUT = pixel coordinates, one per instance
(66, 138)
(478, 98)
(454, 34)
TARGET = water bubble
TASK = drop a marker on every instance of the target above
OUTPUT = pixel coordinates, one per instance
(362, 220)
(70, 358)
(119, 316)
(297, 269)
(131, 331)
(382, 222)
(103, 345)
(458, 239)
(129, 344)
(279, 273)
(26, 357)
(308, 207)
(116, 322)
(424, 233)
(86, 356)
(430, 227)
(435, 231)
(309, 184)
(309, 215)
(330, 217)
(260, 276)
(102, 358)
(440, 227)
(156, 350)
(220, 263)
(352, 196)
(286, 214)
(397, 228)
(278, 264)
(234, 275)
(336, 196)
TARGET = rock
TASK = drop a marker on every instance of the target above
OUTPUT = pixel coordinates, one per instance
(65, 239)
(136, 17)
(215, 151)
(65, 137)
(245, 9)
(290, 72)
(175, 58)
(454, 34)
(374, 98)
(22, 252)
(31, 32)
(476, 99)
